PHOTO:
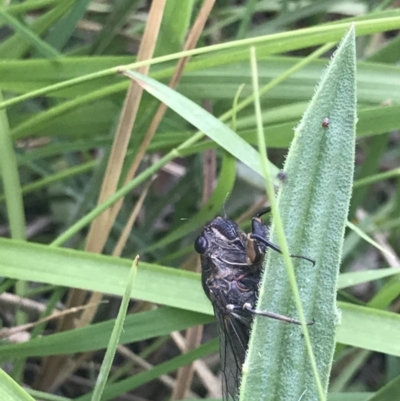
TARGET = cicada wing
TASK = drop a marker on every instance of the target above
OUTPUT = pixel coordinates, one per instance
(233, 337)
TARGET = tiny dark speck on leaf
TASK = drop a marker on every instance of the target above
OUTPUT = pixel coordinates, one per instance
(325, 122)
(282, 176)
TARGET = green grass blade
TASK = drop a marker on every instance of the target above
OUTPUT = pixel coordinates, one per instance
(56, 177)
(114, 390)
(63, 29)
(10, 177)
(389, 392)
(116, 19)
(15, 47)
(29, 36)
(202, 120)
(77, 269)
(39, 263)
(354, 278)
(10, 390)
(41, 395)
(382, 328)
(15, 208)
(138, 327)
(266, 45)
(115, 336)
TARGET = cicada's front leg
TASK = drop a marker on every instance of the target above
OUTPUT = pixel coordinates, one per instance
(258, 241)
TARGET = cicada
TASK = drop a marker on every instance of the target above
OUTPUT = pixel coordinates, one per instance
(232, 263)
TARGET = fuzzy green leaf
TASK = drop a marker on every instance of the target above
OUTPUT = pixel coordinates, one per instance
(313, 205)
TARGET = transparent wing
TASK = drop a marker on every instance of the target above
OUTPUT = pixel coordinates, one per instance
(233, 331)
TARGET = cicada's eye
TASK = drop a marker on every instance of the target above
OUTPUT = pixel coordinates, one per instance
(201, 245)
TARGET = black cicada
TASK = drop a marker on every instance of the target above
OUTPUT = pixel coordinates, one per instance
(232, 263)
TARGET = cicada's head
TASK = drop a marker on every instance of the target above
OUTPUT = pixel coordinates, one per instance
(222, 249)
(220, 244)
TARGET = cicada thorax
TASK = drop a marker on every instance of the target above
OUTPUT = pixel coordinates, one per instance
(230, 261)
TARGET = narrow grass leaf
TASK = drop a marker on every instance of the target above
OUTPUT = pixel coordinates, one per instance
(368, 239)
(30, 37)
(389, 392)
(92, 272)
(112, 391)
(10, 178)
(41, 395)
(202, 120)
(266, 45)
(383, 328)
(10, 390)
(15, 46)
(106, 274)
(63, 29)
(349, 279)
(115, 335)
(138, 327)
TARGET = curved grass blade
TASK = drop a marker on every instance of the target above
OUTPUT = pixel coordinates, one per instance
(202, 120)
(10, 390)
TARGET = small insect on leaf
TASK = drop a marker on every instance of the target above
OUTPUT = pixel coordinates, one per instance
(231, 263)
(326, 122)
